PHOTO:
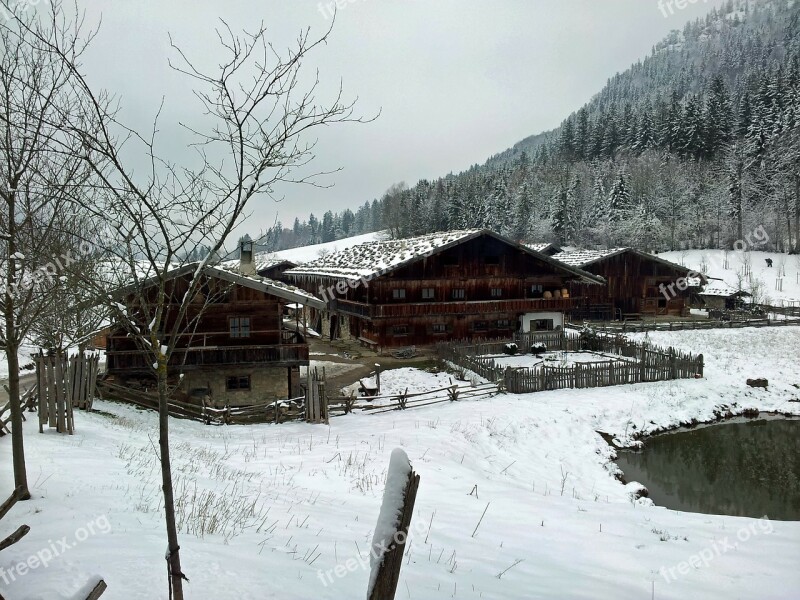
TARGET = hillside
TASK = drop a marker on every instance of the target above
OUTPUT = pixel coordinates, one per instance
(692, 146)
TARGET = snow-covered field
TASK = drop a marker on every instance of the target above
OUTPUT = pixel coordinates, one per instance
(308, 253)
(270, 511)
(712, 262)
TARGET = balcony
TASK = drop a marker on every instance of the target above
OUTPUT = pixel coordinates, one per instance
(424, 309)
(199, 357)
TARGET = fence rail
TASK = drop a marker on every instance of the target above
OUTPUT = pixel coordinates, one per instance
(628, 362)
(276, 411)
(642, 326)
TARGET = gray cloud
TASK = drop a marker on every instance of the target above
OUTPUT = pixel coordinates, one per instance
(456, 80)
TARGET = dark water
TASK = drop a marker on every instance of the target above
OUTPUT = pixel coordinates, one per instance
(749, 469)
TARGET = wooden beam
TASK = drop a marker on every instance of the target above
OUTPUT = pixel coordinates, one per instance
(97, 591)
(20, 533)
(12, 500)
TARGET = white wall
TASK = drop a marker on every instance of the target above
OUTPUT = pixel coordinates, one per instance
(557, 317)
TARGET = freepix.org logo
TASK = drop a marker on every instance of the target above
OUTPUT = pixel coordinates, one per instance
(668, 7)
(55, 548)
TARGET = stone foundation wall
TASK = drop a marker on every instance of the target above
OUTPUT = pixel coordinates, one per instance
(266, 383)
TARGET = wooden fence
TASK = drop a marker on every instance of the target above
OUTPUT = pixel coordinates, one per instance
(642, 326)
(406, 399)
(628, 362)
(62, 384)
(27, 400)
(273, 411)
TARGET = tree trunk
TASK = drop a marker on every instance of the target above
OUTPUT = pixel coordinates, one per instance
(173, 557)
(17, 445)
(797, 213)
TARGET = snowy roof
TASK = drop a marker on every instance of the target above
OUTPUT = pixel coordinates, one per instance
(722, 289)
(543, 247)
(270, 286)
(581, 258)
(262, 260)
(584, 258)
(256, 282)
(375, 258)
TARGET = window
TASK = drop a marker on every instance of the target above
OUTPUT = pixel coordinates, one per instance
(542, 325)
(399, 330)
(504, 324)
(428, 293)
(439, 328)
(240, 327)
(537, 289)
(492, 260)
(399, 294)
(480, 326)
(459, 294)
(497, 292)
(237, 382)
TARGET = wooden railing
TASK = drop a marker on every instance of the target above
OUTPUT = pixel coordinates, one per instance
(420, 309)
(284, 355)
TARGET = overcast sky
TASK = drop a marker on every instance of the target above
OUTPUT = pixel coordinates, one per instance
(455, 80)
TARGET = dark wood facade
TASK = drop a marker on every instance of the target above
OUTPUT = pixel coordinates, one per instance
(481, 287)
(637, 284)
(239, 334)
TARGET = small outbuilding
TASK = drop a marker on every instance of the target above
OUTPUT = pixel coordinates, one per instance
(718, 295)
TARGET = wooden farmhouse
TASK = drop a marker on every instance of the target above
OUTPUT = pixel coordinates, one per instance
(637, 284)
(443, 286)
(237, 347)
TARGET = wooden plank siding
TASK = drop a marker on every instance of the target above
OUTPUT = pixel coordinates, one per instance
(211, 343)
(632, 286)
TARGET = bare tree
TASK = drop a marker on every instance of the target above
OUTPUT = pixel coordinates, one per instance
(40, 174)
(256, 116)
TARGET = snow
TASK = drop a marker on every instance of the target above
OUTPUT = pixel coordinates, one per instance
(712, 262)
(25, 354)
(555, 359)
(262, 260)
(306, 254)
(376, 257)
(391, 512)
(297, 500)
(396, 381)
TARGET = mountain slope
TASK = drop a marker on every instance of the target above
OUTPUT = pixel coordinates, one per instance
(695, 145)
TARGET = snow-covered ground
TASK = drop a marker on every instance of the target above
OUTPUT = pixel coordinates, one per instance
(555, 359)
(293, 502)
(308, 253)
(712, 262)
(25, 358)
(398, 381)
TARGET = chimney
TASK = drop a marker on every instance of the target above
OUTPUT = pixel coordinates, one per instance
(247, 265)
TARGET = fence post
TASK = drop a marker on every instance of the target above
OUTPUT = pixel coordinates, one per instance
(391, 532)
(673, 368)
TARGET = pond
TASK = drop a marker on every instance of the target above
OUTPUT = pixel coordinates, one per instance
(745, 468)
